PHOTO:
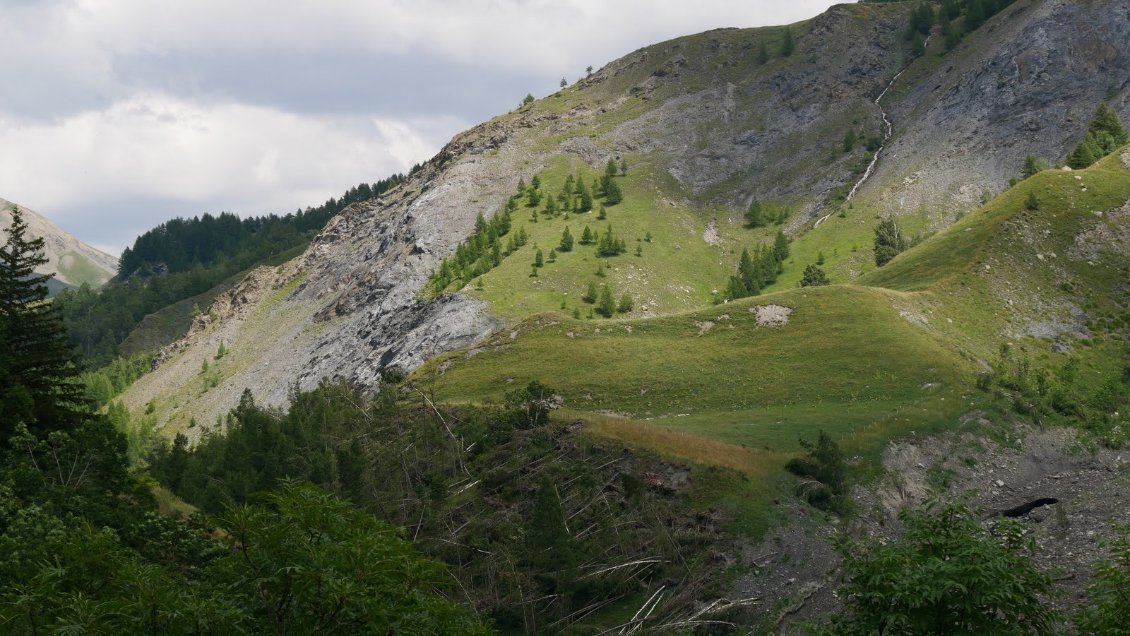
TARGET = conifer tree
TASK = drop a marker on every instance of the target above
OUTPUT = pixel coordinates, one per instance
(606, 306)
(787, 45)
(1106, 123)
(584, 201)
(781, 247)
(539, 258)
(602, 213)
(612, 193)
(586, 236)
(38, 370)
(736, 289)
(623, 167)
(753, 215)
(590, 293)
(747, 273)
(566, 241)
(762, 53)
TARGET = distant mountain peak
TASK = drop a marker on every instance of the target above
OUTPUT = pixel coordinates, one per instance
(72, 261)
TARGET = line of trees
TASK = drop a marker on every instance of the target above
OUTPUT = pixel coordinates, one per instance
(485, 249)
(182, 258)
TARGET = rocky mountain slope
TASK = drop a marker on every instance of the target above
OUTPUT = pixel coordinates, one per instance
(72, 261)
(705, 127)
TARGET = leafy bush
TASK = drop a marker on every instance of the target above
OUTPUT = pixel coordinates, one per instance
(946, 575)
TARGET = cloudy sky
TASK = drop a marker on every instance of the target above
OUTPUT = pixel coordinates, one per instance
(118, 114)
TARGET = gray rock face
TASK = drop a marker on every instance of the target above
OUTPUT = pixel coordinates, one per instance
(699, 112)
(1027, 83)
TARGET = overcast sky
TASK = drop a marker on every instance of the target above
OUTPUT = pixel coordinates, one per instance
(118, 114)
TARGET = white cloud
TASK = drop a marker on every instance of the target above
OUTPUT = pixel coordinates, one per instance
(135, 101)
(538, 35)
(157, 146)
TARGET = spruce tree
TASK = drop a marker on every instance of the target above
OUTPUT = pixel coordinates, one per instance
(781, 247)
(590, 293)
(566, 241)
(586, 236)
(38, 371)
(753, 215)
(606, 306)
(612, 193)
(539, 258)
(787, 45)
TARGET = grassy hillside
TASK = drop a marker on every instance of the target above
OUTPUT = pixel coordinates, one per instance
(864, 362)
(684, 255)
(845, 360)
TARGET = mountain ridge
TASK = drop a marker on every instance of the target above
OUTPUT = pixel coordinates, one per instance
(72, 261)
(350, 306)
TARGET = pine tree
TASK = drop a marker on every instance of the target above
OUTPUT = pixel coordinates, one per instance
(590, 293)
(38, 372)
(787, 45)
(623, 167)
(1105, 122)
(539, 258)
(606, 306)
(584, 201)
(601, 214)
(552, 258)
(612, 193)
(747, 273)
(781, 247)
(753, 215)
(586, 236)
(1085, 154)
(1032, 166)
(566, 241)
(736, 289)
